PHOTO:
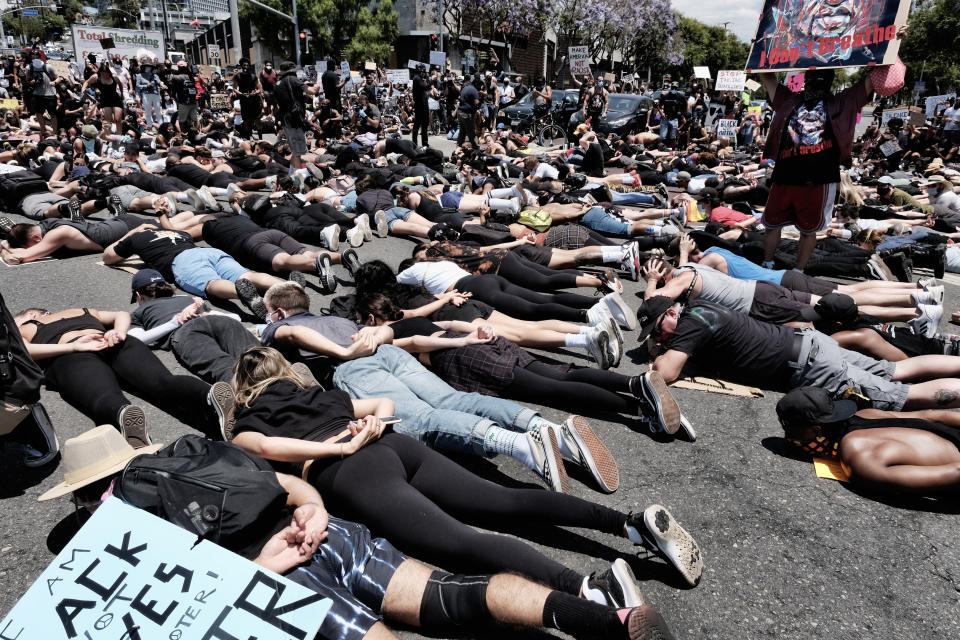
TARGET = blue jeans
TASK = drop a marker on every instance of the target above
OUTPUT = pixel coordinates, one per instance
(599, 220)
(668, 129)
(431, 411)
(896, 242)
(397, 214)
(348, 201)
(631, 198)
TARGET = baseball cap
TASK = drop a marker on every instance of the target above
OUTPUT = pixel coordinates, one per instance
(89, 131)
(684, 175)
(813, 406)
(651, 309)
(885, 180)
(143, 278)
(833, 307)
(708, 193)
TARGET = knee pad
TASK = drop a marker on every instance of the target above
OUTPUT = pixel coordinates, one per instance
(456, 600)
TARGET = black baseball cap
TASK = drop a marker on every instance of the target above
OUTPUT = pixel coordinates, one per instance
(708, 193)
(651, 309)
(143, 278)
(808, 406)
(833, 307)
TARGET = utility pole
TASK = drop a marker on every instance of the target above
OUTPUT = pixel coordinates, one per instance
(235, 53)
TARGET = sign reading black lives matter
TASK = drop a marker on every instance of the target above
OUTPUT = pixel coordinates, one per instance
(128, 575)
(801, 34)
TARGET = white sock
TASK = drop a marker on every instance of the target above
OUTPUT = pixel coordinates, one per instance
(611, 254)
(628, 179)
(183, 197)
(576, 340)
(769, 264)
(509, 443)
(218, 191)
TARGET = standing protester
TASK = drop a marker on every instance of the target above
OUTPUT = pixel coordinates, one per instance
(268, 82)
(248, 88)
(107, 86)
(184, 88)
(291, 97)
(149, 86)
(467, 113)
(674, 106)
(332, 84)
(42, 80)
(422, 91)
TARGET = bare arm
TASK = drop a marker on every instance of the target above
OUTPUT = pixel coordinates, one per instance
(670, 364)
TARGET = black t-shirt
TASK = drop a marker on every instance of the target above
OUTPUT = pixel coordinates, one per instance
(246, 165)
(421, 89)
(673, 104)
(284, 410)
(190, 173)
(414, 326)
(374, 200)
(158, 248)
(330, 80)
(468, 99)
(809, 153)
(246, 82)
(158, 311)
(230, 234)
(732, 344)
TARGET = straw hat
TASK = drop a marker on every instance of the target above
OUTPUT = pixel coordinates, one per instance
(92, 456)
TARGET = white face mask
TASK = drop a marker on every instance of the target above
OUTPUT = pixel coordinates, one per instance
(37, 64)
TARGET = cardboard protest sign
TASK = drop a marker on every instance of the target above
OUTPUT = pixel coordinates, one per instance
(9, 103)
(579, 60)
(730, 80)
(129, 574)
(345, 73)
(900, 112)
(917, 118)
(702, 72)
(412, 64)
(933, 101)
(219, 102)
(714, 113)
(727, 128)
(802, 34)
(438, 58)
(751, 85)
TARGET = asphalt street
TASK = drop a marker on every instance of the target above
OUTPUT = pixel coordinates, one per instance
(787, 555)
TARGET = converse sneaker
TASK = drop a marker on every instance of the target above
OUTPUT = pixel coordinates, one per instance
(331, 237)
(133, 426)
(590, 453)
(614, 587)
(328, 283)
(546, 454)
(221, 398)
(659, 532)
(250, 297)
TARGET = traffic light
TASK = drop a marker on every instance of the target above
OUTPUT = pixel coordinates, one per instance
(433, 42)
(303, 35)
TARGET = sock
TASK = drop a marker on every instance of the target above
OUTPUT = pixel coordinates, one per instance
(768, 264)
(583, 619)
(628, 179)
(509, 443)
(576, 340)
(641, 537)
(611, 253)
(99, 203)
(218, 191)
(539, 421)
(183, 197)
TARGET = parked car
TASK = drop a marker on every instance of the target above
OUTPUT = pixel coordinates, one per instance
(626, 113)
(519, 116)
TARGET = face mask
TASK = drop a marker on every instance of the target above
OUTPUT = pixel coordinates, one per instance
(932, 193)
(37, 64)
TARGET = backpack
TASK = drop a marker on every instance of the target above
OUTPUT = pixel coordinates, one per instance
(18, 185)
(213, 489)
(20, 376)
(344, 306)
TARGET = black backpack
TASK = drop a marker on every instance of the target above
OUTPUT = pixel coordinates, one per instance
(18, 185)
(213, 489)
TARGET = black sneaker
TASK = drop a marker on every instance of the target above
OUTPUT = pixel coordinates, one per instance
(297, 277)
(133, 426)
(615, 587)
(328, 283)
(351, 261)
(250, 297)
(115, 206)
(6, 226)
(646, 623)
(659, 532)
(665, 408)
(73, 206)
(897, 263)
(221, 398)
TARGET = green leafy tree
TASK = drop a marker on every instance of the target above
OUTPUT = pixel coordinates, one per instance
(707, 46)
(375, 35)
(122, 14)
(932, 45)
(333, 24)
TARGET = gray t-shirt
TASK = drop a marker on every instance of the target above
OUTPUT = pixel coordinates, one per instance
(334, 328)
(158, 311)
(719, 288)
(44, 78)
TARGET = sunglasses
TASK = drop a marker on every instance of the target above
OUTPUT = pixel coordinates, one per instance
(657, 332)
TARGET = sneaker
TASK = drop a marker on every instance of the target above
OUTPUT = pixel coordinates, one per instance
(646, 623)
(363, 221)
(221, 398)
(297, 277)
(315, 171)
(631, 261)
(614, 587)
(270, 182)
(927, 323)
(926, 283)
(598, 346)
(546, 454)
(6, 225)
(355, 236)
(232, 188)
(207, 199)
(598, 313)
(659, 532)
(609, 281)
(115, 206)
(328, 283)
(664, 193)
(302, 370)
(590, 453)
(665, 408)
(250, 297)
(133, 425)
(351, 261)
(380, 220)
(616, 341)
(934, 293)
(620, 311)
(331, 237)
(879, 270)
(73, 206)
(688, 429)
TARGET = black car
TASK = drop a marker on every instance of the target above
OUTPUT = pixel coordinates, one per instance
(519, 116)
(626, 113)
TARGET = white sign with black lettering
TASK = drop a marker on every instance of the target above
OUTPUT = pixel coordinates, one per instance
(398, 76)
(888, 114)
(933, 101)
(438, 59)
(730, 80)
(727, 128)
(213, 51)
(128, 574)
(579, 60)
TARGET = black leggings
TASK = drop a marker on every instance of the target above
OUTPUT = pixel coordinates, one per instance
(526, 273)
(579, 390)
(419, 500)
(324, 213)
(91, 382)
(523, 303)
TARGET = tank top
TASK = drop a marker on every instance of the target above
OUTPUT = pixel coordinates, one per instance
(721, 289)
(51, 332)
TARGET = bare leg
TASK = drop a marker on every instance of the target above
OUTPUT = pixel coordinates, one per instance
(928, 367)
(877, 298)
(560, 326)
(407, 228)
(869, 342)
(879, 285)
(771, 240)
(890, 313)
(808, 242)
(942, 393)
(262, 281)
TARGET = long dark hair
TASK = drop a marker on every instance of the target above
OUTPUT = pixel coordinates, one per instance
(375, 277)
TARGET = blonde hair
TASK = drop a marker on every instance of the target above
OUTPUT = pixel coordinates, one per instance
(257, 369)
(849, 194)
(287, 295)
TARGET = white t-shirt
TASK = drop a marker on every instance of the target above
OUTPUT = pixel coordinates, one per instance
(435, 277)
(548, 171)
(506, 94)
(950, 200)
(951, 125)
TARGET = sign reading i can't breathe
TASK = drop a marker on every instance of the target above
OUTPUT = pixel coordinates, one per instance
(128, 574)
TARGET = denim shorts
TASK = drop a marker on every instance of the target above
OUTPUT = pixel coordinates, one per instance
(396, 214)
(348, 201)
(195, 268)
(451, 199)
(297, 139)
(599, 220)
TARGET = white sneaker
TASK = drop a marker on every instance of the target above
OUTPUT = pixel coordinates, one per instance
(331, 237)
(363, 220)
(620, 311)
(207, 198)
(355, 236)
(380, 220)
(928, 322)
(270, 182)
(598, 344)
(630, 262)
(598, 313)
(926, 283)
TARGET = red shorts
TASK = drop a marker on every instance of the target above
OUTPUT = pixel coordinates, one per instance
(808, 206)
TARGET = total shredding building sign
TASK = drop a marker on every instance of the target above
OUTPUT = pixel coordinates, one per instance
(128, 42)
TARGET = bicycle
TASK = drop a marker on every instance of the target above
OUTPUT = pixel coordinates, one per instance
(548, 132)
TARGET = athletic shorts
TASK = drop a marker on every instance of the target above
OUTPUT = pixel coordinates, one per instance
(36, 204)
(297, 140)
(779, 305)
(808, 207)
(802, 282)
(262, 247)
(40, 105)
(353, 570)
(195, 268)
(128, 193)
(535, 253)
